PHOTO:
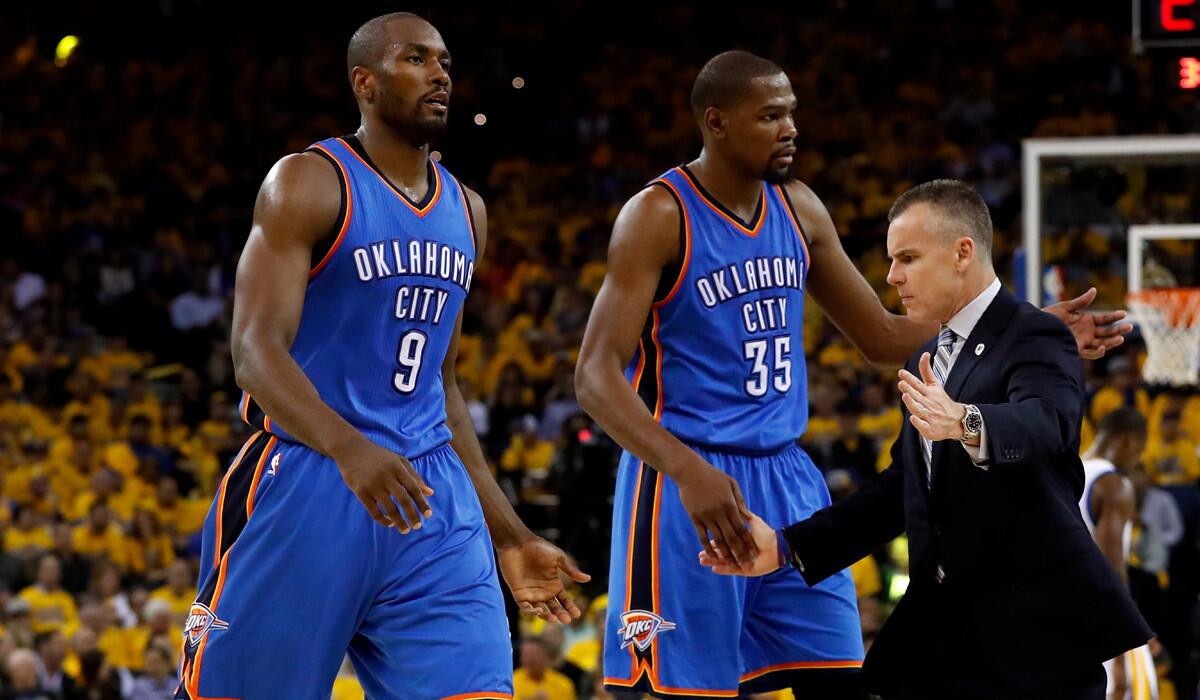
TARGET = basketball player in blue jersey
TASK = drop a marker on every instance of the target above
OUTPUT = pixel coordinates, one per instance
(357, 518)
(693, 361)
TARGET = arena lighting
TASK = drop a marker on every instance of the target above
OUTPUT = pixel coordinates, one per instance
(66, 46)
(518, 82)
(480, 119)
(1189, 72)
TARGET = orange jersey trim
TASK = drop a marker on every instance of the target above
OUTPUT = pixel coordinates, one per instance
(799, 229)
(762, 217)
(687, 244)
(193, 684)
(797, 666)
(437, 184)
(337, 242)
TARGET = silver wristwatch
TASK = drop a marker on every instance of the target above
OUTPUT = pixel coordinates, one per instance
(972, 423)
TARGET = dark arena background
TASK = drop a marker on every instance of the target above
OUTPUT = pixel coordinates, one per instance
(135, 135)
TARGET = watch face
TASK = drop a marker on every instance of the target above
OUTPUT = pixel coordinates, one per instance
(974, 422)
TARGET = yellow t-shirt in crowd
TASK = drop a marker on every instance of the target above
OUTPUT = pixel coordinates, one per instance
(1175, 462)
(51, 611)
(525, 456)
(109, 543)
(180, 604)
(554, 686)
(347, 688)
(39, 537)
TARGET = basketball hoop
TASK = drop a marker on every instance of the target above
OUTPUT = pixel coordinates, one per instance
(1170, 322)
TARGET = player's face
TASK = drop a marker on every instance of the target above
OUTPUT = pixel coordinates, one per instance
(412, 83)
(926, 269)
(761, 130)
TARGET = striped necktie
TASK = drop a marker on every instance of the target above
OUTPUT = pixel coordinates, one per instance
(941, 369)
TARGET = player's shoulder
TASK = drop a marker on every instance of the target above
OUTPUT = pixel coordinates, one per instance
(302, 171)
(653, 204)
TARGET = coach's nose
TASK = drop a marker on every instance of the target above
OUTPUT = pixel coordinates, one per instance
(894, 276)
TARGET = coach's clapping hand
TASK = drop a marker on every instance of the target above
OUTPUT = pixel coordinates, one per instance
(934, 414)
(382, 479)
(766, 561)
(714, 502)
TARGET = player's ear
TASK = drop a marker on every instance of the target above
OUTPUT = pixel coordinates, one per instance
(714, 121)
(363, 83)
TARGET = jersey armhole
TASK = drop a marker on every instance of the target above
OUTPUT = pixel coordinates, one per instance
(462, 189)
(324, 247)
(787, 201)
(672, 273)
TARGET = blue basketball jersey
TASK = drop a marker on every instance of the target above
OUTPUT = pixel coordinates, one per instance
(721, 362)
(381, 305)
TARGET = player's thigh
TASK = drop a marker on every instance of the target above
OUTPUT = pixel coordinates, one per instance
(274, 617)
(673, 626)
(438, 627)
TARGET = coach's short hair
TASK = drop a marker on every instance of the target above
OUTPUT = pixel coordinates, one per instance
(726, 77)
(958, 203)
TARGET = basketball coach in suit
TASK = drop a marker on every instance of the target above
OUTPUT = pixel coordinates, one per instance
(1009, 596)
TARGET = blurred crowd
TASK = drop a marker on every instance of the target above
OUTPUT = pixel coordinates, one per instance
(127, 176)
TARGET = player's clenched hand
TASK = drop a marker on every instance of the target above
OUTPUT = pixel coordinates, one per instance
(382, 479)
(1096, 332)
(531, 570)
(718, 512)
(766, 561)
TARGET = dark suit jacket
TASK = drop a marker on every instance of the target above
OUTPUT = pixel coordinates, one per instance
(1027, 599)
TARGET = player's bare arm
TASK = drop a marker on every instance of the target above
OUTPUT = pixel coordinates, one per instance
(887, 339)
(1113, 498)
(296, 207)
(645, 240)
(530, 564)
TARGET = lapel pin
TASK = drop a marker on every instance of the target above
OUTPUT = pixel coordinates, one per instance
(979, 349)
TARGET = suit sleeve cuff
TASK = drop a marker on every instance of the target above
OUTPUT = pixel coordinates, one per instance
(979, 453)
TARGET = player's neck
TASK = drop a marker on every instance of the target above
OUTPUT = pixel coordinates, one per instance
(738, 193)
(403, 163)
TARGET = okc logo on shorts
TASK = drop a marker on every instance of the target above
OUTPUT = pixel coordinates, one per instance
(200, 620)
(640, 627)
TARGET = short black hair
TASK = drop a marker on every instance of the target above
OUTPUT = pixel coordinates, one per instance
(726, 77)
(958, 202)
(367, 42)
(1123, 421)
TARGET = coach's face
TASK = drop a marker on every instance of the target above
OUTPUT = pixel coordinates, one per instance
(760, 128)
(929, 265)
(410, 88)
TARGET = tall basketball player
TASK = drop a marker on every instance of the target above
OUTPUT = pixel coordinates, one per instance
(693, 361)
(357, 517)
(1108, 506)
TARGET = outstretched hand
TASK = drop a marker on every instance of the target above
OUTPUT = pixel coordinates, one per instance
(1096, 332)
(532, 571)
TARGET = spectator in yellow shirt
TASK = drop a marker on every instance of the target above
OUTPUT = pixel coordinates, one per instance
(535, 680)
(99, 537)
(26, 537)
(148, 551)
(179, 590)
(1123, 390)
(1174, 458)
(527, 452)
(158, 629)
(179, 517)
(52, 607)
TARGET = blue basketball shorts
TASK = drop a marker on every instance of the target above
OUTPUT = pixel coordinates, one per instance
(295, 574)
(674, 628)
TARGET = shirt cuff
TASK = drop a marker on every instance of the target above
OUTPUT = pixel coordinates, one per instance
(979, 453)
(784, 551)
